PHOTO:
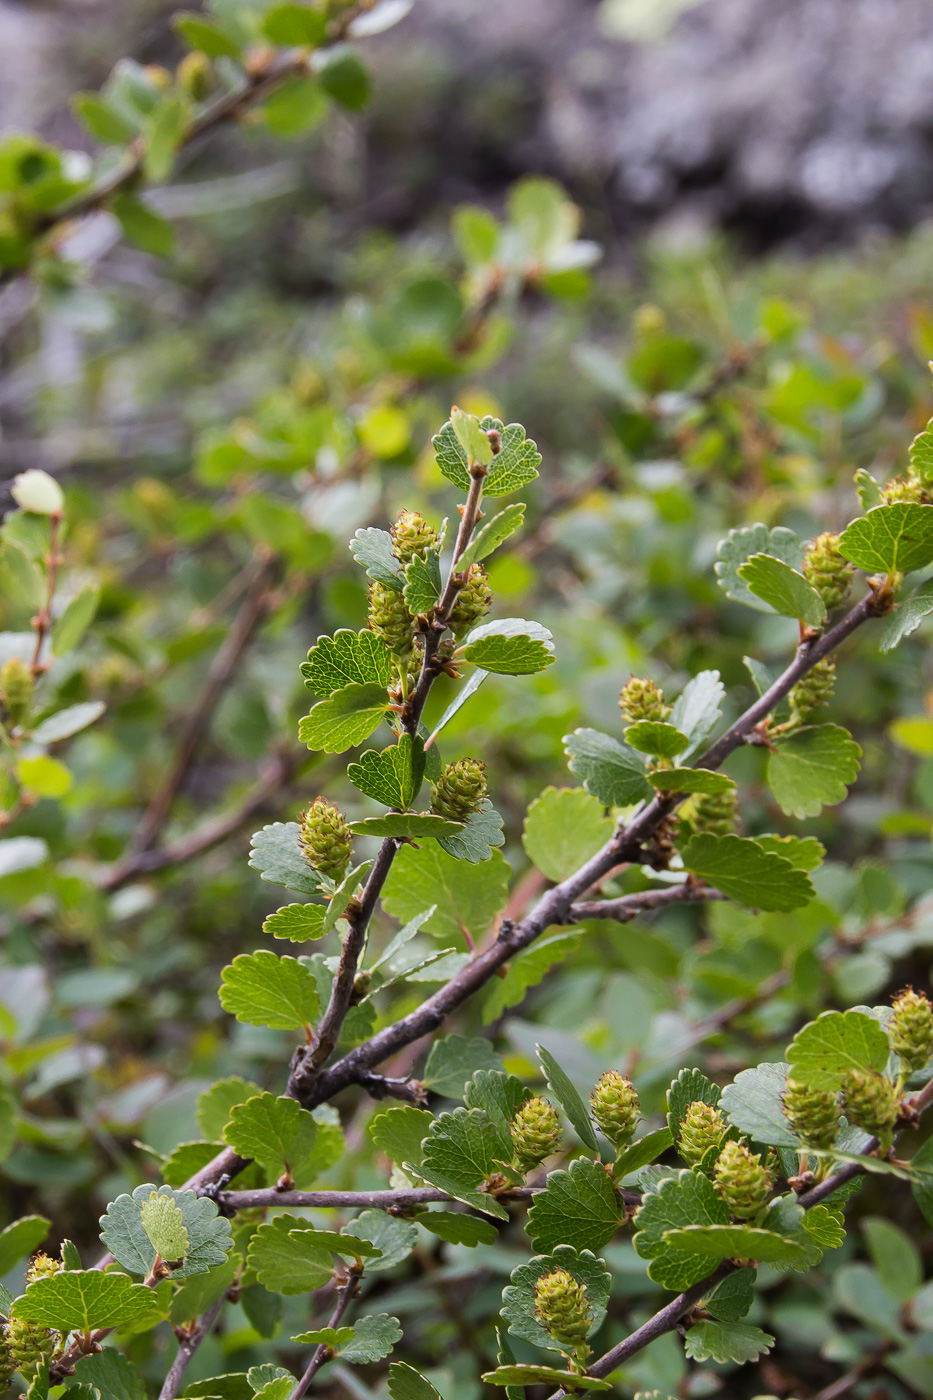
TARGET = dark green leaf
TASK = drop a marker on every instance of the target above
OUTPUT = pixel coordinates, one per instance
(347, 658)
(611, 771)
(577, 1207)
(890, 539)
(744, 871)
(278, 856)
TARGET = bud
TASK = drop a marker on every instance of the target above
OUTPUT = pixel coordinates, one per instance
(702, 1128)
(615, 1106)
(813, 692)
(826, 570)
(390, 619)
(904, 489)
(742, 1180)
(411, 535)
(911, 1029)
(42, 1267)
(16, 686)
(813, 1114)
(30, 1347)
(535, 1133)
(473, 601)
(870, 1101)
(562, 1306)
(715, 813)
(642, 700)
(325, 839)
(649, 319)
(459, 790)
(195, 75)
(36, 491)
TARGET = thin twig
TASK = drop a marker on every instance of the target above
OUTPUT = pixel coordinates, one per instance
(629, 906)
(187, 1346)
(346, 1292)
(354, 1200)
(253, 610)
(42, 622)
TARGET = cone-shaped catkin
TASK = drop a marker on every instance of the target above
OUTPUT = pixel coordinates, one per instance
(562, 1306)
(911, 1029)
(390, 619)
(459, 790)
(16, 686)
(813, 1114)
(702, 1128)
(615, 1106)
(715, 813)
(870, 1101)
(535, 1133)
(326, 839)
(411, 535)
(6, 1361)
(641, 699)
(742, 1180)
(826, 570)
(473, 601)
(814, 691)
(30, 1347)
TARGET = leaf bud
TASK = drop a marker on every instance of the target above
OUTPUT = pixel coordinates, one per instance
(36, 491)
(473, 601)
(459, 790)
(535, 1133)
(326, 839)
(813, 1114)
(911, 1029)
(813, 692)
(411, 535)
(870, 1101)
(390, 619)
(825, 570)
(16, 687)
(742, 1180)
(701, 1129)
(615, 1106)
(641, 699)
(562, 1306)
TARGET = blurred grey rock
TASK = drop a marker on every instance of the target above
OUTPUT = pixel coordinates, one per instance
(780, 118)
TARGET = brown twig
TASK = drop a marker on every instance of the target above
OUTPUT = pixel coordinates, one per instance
(347, 1290)
(42, 622)
(353, 1200)
(187, 1346)
(254, 608)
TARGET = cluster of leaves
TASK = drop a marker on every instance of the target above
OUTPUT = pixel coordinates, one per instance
(721, 408)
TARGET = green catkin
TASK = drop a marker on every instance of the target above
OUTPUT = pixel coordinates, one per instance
(813, 1114)
(411, 535)
(473, 601)
(615, 1106)
(825, 570)
(390, 619)
(742, 1180)
(715, 813)
(16, 687)
(326, 839)
(641, 699)
(911, 1030)
(459, 790)
(562, 1306)
(813, 692)
(870, 1102)
(535, 1133)
(702, 1128)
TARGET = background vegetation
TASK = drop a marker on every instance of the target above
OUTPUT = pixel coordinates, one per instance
(222, 419)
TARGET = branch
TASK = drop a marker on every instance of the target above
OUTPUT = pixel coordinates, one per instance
(274, 776)
(669, 1316)
(187, 1346)
(347, 1290)
(265, 77)
(629, 906)
(253, 610)
(354, 1200)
